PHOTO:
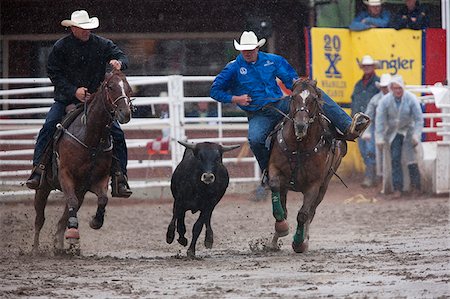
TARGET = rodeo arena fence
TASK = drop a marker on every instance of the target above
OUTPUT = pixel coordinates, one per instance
(153, 155)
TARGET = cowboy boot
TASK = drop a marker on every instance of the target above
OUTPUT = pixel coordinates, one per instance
(359, 124)
(119, 185)
(35, 179)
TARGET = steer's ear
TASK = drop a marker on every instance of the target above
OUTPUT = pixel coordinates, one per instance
(187, 145)
(229, 147)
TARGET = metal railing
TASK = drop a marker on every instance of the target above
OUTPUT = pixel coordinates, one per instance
(14, 123)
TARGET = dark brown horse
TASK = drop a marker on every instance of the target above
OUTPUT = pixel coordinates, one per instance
(304, 157)
(82, 160)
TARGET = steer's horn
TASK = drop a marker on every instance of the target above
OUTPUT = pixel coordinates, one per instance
(187, 145)
(226, 148)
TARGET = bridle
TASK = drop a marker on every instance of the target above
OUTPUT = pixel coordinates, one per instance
(114, 102)
(301, 101)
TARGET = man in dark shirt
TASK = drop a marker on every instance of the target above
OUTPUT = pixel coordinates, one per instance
(364, 90)
(413, 16)
(76, 67)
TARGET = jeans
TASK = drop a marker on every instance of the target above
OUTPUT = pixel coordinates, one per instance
(262, 122)
(396, 162)
(367, 150)
(55, 116)
(338, 117)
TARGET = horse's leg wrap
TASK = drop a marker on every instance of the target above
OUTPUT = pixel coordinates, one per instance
(299, 235)
(277, 209)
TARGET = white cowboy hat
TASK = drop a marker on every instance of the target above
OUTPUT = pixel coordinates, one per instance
(249, 41)
(397, 79)
(373, 2)
(80, 18)
(368, 60)
(384, 80)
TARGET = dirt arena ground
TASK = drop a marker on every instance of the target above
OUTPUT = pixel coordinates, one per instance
(362, 246)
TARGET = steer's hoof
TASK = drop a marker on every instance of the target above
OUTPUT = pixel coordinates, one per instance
(191, 253)
(282, 228)
(182, 241)
(209, 244)
(169, 237)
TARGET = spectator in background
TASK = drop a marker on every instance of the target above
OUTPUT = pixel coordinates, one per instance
(369, 134)
(413, 16)
(203, 109)
(364, 90)
(398, 128)
(374, 17)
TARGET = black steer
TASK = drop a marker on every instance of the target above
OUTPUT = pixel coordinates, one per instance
(198, 183)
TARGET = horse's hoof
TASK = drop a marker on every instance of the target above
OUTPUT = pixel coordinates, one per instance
(282, 228)
(183, 241)
(72, 233)
(95, 224)
(300, 248)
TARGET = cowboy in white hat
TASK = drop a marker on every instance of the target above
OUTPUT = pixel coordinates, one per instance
(76, 67)
(364, 90)
(374, 17)
(369, 134)
(250, 82)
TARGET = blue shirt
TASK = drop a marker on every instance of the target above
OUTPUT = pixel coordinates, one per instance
(382, 21)
(257, 79)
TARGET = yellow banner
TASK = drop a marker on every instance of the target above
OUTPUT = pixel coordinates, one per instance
(331, 56)
(335, 54)
(398, 51)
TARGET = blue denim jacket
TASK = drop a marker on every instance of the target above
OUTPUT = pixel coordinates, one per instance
(364, 21)
(258, 80)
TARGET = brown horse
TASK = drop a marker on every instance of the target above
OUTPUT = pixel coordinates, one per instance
(82, 158)
(304, 157)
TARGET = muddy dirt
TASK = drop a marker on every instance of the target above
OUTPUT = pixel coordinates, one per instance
(362, 246)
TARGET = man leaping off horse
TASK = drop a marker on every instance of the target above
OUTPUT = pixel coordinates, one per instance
(250, 82)
(76, 67)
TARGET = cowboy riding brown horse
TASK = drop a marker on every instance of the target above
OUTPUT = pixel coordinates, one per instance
(305, 154)
(82, 157)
